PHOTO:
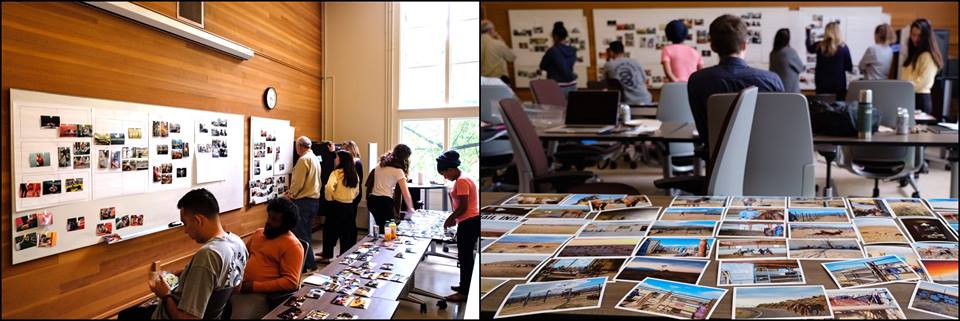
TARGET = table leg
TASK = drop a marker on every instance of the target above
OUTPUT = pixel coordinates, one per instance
(426, 198)
(953, 172)
(446, 206)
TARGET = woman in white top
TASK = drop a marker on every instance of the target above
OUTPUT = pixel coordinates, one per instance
(391, 173)
(876, 61)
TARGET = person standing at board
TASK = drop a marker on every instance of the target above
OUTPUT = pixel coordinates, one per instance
(785, 62)
(876, 61)
(305, 192)
(922, 63)
(494, 53)
(679, 61)
(466, 215)
(558, 60)
(629, 73)
(833, 61)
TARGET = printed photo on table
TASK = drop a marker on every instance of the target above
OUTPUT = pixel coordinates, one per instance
(614, 229)
(864, 304)
(558, 227)
(600, 202)
(672, 299)
(750, 229)
(578, 268)
(927, 230)
(759, 272)
(758, 201)
(533, 244)
(749, 249)
(699, 201)
(555, 296)
(533, 199)
(821, 230)
(781, 302)
(629, 214)
(870, 271)
(681, 270)
(510, 266)
(824, 249)
(874, 230)
(818, 215)
(599, 247)
(905, 252)
(696, 248)
(754, 214)
(943, 272)
(802, 202)
(936, 299)
(692, 214)
(682, 228)
(907, 207)
(868, 207)
(559, 212)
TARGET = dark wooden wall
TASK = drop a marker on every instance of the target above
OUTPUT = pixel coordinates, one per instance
(73, 49)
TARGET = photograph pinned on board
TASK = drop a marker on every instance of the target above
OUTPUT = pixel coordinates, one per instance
(599, 247)
(26, 222)
(818, 215)
(692, 214)
(63, 157)
(578, 268)
(134, 133)
(758, 201)
(936, 299)
(629, 214)
(822, 230)
(30, 190)
(694, 248)
(942, 272)
(76, 223)
(115, 160)
(760, 229)
(108, 213)
(870, 271)
(68, 130)
(557, 227)
(81, 148)
(104, 228)
(671, 299)
(755, 214)
(927, 230)
(682, 229)
(47, 239)
(503, 213)
(600, 202)
(613, 229)
(49, 122)
(868, 207)
(874, 230)
(908, 207)
(824, 249)
(101, 139)
(44, 218)
(103, 159)
(639, 268)
(699, 201)
(905, 252)
(51, 187)
(529, 244)
(751, 249)
(781, 302)
(936, 250)
(760, 272)
(39, 159)
(122, 222)
(25, 241)
(117, 138)
(533, 199)
(554, 296)
(84, 130)
(81, 162)
(802, 202)
(559, 212)
(864, 304)
(489, 228)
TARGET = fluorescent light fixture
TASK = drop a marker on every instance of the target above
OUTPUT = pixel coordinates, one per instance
(148, 17)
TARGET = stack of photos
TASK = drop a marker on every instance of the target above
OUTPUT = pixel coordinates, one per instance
(488, 285)
(699, 201)
(692, 214)
(696, 248)
(496, 229)
(531, 244)
(870, 271)
(824, 249)
(907, 207)
(801, 202)
(578, 268)
(680, 270)
(818, 215)
(560, 227)
(503, 213)
(600, 202)
(560, 212)
(749, 249)
(672, 299)
(927, 230)
(936, 299)
(751, 229)
(533, 199)
(781, 302)
(599, 247)
(864, 304)
(874, 230)
(614, 229)
(758, 201)
(822, 230)
(905, 252)
(554, 296)
(760, 272)
(868, 207)
(754, 214)
(683, 229)
(629, 214)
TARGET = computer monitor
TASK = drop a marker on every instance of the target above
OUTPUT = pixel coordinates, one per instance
(592, 107)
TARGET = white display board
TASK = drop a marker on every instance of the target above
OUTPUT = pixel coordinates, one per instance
(271, 158)
(530, 35)
(856, 29)
(642, 32)
(79, 189)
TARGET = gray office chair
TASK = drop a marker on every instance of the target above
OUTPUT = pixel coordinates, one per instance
(780, 159)
(496, 154)
(728, 130)
(675, 107)
(884, 162)
(490, 96)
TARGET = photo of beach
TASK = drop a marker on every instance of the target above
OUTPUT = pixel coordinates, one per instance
(680, 270)
(824, 249)
(750, 229)
(864, 304)
(808, 302)
(754, 214)
(868, 207)
(943, 272)
(599, 247)
(801, 202)
(629, 214)
(907, 207)
(560, 211)
(699, 201)
(578, 268)
(905, 252)
(614, 229)
(509, 266)
(879, 230)
(559, 227)
(818, 215)
(696, 248)
(533, 298)
(870, 271)
(672, 299)
(532, 244)
(759, 272)
(600, 202)
(758, 201)
(692, 214)
(682, 228)
(747, 249)
(532, 199)
(936, 299)
(822, 230)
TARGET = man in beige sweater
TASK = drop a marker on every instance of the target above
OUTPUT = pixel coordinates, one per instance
(305, 192)
(494, 53)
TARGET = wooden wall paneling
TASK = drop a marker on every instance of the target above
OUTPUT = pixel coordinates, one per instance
(73, 49)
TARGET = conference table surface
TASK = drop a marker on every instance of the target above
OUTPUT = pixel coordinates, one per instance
(813, 272)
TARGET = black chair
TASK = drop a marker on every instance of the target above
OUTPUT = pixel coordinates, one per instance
(603, 188)
(219, 304)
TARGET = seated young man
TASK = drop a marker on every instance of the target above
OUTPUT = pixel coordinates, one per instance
(629, 73)
(218, 264)
(728, 37)
(276, 257)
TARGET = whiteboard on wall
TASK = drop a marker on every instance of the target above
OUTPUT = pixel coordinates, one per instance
(856, 29)
(530, 36)
(84, 190)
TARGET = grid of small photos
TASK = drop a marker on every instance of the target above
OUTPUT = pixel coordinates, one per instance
(567, 247)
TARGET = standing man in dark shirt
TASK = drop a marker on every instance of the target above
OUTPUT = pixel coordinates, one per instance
(728, 38)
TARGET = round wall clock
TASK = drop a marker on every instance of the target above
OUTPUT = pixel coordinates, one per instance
(270, 98)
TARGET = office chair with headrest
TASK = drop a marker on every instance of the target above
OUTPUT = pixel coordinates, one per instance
(496, 154)
(729, 154)
(675, 107)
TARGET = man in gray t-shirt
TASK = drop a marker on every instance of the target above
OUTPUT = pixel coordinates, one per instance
(629, 73)
(218, 264)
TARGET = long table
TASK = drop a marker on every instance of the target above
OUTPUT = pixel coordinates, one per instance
(615, 291)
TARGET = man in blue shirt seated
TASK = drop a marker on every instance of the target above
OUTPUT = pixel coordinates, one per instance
(728, 37)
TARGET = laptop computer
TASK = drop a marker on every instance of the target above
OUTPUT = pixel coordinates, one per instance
(590, 111)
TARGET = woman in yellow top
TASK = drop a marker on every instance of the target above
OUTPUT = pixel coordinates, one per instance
(341, 222)
(922, 63)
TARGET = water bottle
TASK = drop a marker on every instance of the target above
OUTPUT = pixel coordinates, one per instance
(865, 115)
(624, 114)
(903, 121)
